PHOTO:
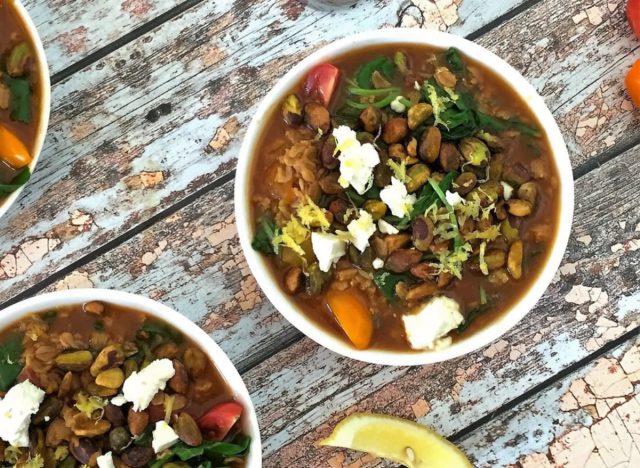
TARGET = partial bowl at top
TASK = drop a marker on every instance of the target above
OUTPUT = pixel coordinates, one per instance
(24, 100)
(403, 196)
(93, 376)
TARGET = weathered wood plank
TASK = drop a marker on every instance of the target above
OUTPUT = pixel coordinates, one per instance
(192, 261)
(591, 418)
(303, 390)
(71, 30)
(129, 134)
(595, 298)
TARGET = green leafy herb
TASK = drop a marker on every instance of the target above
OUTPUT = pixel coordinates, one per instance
(387, 281)
(20, 104)
(354, 197)
(211, 449)
(427, 197)
(158, 328)
(18, 58)
(49, 316)
(16, 183)
(381, 64)
(380, 104)
(470, 317)
(455, 60)
(144, 439)
(160, 462)
(10, 365)
(267, 231)
(373, 193)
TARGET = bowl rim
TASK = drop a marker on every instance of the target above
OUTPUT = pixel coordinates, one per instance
(45, 104)
(154, 308)
(400, 36)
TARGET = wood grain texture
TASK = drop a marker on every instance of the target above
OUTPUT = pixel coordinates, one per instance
(589, 419)
(594, 299)
(161, 118)
(192, 262)
(71, 30)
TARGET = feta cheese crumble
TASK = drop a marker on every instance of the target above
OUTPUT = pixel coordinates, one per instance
(16, 408)
(141, 387)
(508, 190)
(428, 328)
(397, 105)
(105, 461)
(454, 198)
(361, 230)
(328, 249)
(163, 437)
(356, 160)
(377, 263)
(396, 197)
(386, 228)
(118, 400)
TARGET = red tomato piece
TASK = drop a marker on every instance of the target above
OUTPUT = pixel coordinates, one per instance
(633, 15)
(632, 83)
(322, 82)
(220, 418)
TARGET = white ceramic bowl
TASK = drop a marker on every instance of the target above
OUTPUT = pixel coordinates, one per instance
(45, 96)
(156, 309)
(287, 306)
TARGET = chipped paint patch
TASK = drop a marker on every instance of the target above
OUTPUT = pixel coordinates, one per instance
(495, 348)
(629, 246)
(146, 179)
(74, 41)
(434, 14)
(138, 8)
(75, 280)
(224, 134)
(586, 240)
(578, 295)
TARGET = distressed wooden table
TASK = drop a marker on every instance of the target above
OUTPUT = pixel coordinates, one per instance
(134, 192)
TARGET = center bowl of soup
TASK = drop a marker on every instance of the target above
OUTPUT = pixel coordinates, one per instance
(104, 378)
(24, 100)
(399, 196)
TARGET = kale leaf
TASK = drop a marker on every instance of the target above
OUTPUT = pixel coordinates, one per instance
(267, 231)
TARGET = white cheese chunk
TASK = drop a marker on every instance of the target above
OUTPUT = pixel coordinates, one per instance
(396, 197)
(141, 387)
(508, 190)
(377, 263)
(328, 249)
(428, 328)
(454, 198)
(386, 228)
(361, 230)
(118, 400)
(16, 408)
(417, 86)
(397, 105)
(163, 437)
(105, 461)
(356, 160)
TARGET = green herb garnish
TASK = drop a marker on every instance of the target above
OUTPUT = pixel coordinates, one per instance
(381, 64)
(457, 240)
(470, 317)
(158, 328)
(266, 232)
(455, 60)
(387, 281)
(16, 183)
(10, 360)
(20, 103)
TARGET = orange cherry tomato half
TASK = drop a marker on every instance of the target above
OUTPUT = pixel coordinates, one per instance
(633, 15)
(322, 82)
(12, 150)
(353, 317)
(220, 418)
(632, 82)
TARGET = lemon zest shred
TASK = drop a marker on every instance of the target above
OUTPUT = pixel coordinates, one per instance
(293, 234)
(312, 215)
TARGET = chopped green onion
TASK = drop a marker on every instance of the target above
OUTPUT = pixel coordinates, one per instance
(372, 92)
(483, 296)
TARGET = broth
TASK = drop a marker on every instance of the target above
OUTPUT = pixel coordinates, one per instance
(494, 98)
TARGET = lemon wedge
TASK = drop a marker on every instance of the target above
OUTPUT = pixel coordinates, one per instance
(396, 439)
